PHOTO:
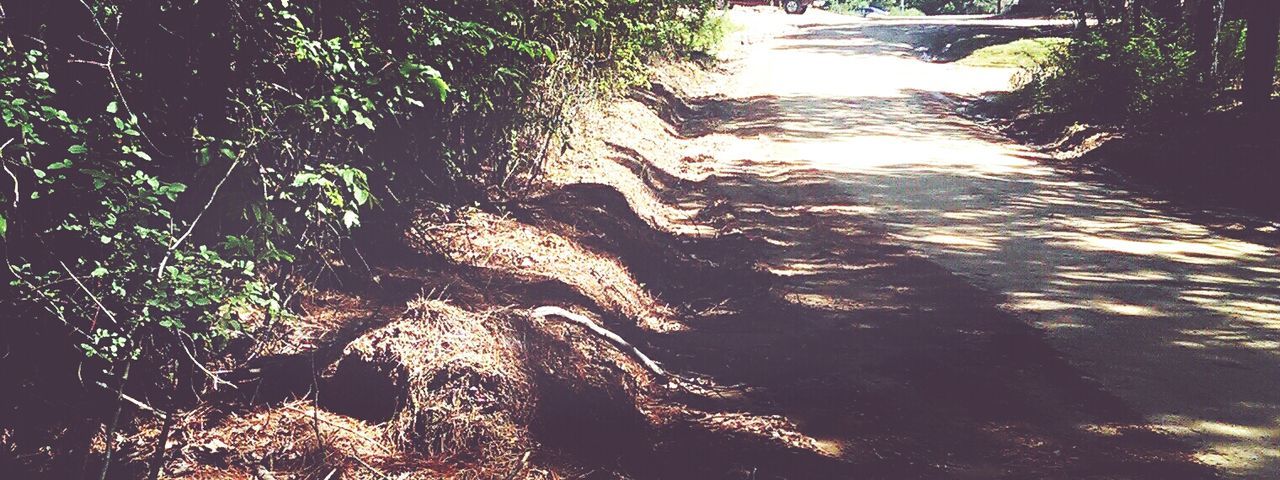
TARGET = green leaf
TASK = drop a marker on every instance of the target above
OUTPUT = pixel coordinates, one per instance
(350, 219)
(98, 272)
(143, 155)
(77, 149)
(363, 120)
(4, 226)
(112, 107)
(341, 103)
(442, 88)
(305, 178)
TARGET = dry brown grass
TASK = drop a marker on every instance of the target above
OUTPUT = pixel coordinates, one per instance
(453, 380)
(511, 248)
(326, 317)
(294, 439)
(636, 131)
(460, 386)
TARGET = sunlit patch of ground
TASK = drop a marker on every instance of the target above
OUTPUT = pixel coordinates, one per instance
(1157, 306)
(1238, 449)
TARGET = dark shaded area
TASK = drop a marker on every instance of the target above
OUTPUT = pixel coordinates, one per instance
(1228, 161)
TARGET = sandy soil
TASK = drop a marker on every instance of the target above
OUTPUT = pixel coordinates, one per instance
(845, 132)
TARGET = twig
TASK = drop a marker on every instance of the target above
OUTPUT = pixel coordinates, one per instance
(192, 227)
(216, 379)
(366, 465)
(115, 420)
(138, 403)
(549, 311)
(5, 163)
(87, 62)
(48, 304)
(162, 442)
(315, 405)
(524, 462)
(112, 75)
(93, 297)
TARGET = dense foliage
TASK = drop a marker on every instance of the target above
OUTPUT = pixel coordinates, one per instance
(170, 167)
(1147, 66)
(1110, 75)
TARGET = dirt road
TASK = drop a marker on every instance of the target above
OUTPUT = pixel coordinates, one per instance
(846, 134)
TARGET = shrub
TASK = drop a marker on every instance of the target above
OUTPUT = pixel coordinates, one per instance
(170, 171)
(1109, 75)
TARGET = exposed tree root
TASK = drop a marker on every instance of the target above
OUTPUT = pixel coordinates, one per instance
(552, 311)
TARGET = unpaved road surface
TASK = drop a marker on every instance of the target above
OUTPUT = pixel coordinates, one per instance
(847, 127)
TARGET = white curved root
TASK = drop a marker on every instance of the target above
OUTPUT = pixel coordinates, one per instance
(551, 311)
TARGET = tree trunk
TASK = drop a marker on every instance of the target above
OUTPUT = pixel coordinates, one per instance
(1129, 16)
(1100, 11)
(1262, 42)
(1206, 19)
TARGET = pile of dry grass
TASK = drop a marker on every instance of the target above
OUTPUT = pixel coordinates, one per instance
(512, 248)
(293, 439)
(453, 385)
(450, 383)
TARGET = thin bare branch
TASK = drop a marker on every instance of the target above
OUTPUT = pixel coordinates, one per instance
(88, 292)
(5, 163)
(115, 83)
(190, 228)
(212, 376)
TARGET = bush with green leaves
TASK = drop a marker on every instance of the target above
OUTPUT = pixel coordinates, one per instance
(172, 169)
(1112, 75)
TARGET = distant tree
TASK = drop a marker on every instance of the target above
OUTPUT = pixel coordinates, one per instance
(1261, 44)
(1205, 18)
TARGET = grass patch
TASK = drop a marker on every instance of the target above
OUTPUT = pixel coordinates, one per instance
(1025, 53)
(906, 12)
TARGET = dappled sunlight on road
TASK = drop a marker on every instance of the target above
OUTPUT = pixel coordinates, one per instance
(1179, 321)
